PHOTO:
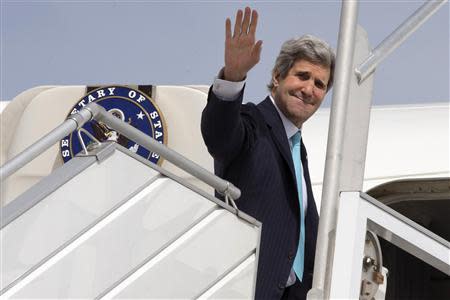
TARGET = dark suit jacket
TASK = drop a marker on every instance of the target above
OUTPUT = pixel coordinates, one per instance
(251, 150)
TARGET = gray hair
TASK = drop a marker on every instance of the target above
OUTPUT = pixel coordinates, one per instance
(307, 47)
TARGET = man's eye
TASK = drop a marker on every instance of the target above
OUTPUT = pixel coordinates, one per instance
(303, 76)
(320, 85)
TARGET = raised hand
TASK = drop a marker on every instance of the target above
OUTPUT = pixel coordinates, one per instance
(241, 51)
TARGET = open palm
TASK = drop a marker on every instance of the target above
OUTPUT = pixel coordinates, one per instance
(241, 51)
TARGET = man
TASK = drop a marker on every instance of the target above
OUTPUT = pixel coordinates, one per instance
(258, 149)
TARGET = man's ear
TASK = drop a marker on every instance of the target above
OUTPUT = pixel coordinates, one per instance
(275, 77)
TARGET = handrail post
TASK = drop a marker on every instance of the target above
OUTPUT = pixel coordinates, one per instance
(344, 71)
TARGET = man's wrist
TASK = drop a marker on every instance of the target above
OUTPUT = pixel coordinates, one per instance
(231, 77)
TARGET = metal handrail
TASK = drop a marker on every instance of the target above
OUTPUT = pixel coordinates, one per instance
(344, 72)
(220, 185)
(72, 123)
(396, 38)
(95, 111)
(336, 129)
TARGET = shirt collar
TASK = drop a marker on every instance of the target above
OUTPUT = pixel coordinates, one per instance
(289, 127)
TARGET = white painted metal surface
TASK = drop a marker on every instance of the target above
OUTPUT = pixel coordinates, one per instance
(66, 212)
(213, 248)
(236, 285)
(368, 213)
(347, 137)
(3, 104)
(120, 229)
(349, 246)
(120, 242)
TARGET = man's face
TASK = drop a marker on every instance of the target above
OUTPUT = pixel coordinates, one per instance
(301, 92)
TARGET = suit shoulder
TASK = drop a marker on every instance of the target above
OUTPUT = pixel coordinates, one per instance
(252, 110)
(249, 106)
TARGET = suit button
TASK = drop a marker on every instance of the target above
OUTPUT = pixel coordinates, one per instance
(281, 286)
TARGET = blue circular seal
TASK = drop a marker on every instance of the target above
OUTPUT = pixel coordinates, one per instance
(129, 105)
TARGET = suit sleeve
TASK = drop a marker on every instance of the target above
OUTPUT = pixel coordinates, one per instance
(227, 128)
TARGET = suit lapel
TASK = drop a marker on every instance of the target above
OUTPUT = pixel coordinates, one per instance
(277, 130)
(273, 120)
(311, 202)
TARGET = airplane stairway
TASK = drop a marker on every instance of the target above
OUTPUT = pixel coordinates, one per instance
(110, 224)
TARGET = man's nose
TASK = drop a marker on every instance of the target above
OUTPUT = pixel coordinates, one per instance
(308, 88)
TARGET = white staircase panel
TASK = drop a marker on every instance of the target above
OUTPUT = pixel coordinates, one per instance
(68, 211)
(239, 284)
(187, 269)
(117, 245)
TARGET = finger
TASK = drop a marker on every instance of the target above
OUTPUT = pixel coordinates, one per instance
(254, 23)
(238, 23)
(228, 29)
(256, 51)
(246, 21)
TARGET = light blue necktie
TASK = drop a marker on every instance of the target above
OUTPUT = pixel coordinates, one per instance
(299, 257)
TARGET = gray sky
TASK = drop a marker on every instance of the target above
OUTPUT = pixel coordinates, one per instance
(177, 43)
